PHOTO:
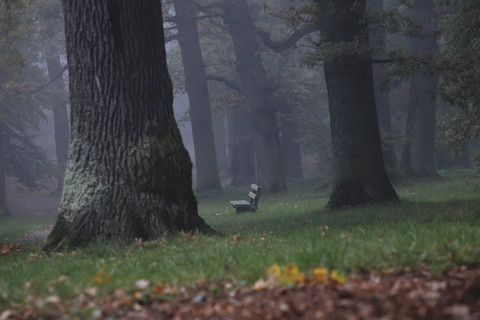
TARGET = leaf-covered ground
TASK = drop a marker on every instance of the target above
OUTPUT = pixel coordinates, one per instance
(387, 295)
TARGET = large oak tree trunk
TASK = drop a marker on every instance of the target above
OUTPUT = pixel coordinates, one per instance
(128, 174)
(418, 158)
(198, 96)
(360, 171)
(258, 94)
(60, 116)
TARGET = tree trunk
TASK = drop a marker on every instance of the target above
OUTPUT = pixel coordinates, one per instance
(3, 190)
(60, 116)
(128, 174)
(382, 98)
(220, 137)
(198, 97)
(258, 94)
(243, 166)
(418, 158)
(360, 171)
(290, 146)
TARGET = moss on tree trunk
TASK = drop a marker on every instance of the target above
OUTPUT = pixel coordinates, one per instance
(128, 174)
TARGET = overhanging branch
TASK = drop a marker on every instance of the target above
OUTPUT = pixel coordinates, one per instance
(290, 41)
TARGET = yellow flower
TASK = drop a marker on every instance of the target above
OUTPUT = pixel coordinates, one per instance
(338, 277)
(291, 274)
(320, 274)
(100, 278)
(275, 271)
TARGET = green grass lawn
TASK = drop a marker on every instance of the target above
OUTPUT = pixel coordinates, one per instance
(434, 225)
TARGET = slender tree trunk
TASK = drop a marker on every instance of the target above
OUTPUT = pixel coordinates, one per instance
(418, 158)
(197, 88)
(220, 133)
(243, 166)
(3, 190)
(382, 98)
(128, 174)
(360, 171)
(60, 116)
(290, 146)
(258, 94)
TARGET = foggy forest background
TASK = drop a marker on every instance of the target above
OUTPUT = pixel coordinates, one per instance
(426, 71)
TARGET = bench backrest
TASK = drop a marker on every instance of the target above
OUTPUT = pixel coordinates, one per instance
(254, 195)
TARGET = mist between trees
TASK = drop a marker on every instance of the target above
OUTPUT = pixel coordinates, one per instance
(352, 94)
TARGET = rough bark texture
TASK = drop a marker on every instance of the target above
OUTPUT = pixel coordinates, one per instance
(258, 91)
(128, 174)
(418, 158)
(382, 98)
(60, 116)
(360, 172)
(198, 96)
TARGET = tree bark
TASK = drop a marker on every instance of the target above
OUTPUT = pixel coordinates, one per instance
(258, 91)
(60, 116)
(198, 96)
(360, 171)
(382, 98)
(128, 174)
(418, 158)
(3, 190)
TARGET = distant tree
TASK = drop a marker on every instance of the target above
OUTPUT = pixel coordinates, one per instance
(418, 158)
(20, 110)
(128, 174)
(378, 42)
(258, 90)
(198, 93)
(360, 171)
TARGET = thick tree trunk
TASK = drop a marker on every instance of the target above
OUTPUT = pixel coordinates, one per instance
(243, 166)
(198, 96)
(418, 158)
(3, 190)
(360, 171)
(258, 94)
(128, 174)
(60, 116)
(382, 98)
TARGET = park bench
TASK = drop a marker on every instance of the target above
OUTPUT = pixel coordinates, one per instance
(252, 205)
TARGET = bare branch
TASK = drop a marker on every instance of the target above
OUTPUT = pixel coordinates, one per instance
(290, 41)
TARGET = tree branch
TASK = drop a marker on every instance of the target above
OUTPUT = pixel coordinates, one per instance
(290, 41)
(225, 81)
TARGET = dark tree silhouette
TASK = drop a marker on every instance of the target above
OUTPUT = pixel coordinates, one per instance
(360, 171)
(198, 96)
(418, 158)
(128, 174)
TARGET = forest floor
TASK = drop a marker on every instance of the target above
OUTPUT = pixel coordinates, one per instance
(400, 294)
(415, 259)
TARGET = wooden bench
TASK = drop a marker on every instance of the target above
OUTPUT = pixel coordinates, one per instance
(252, 205)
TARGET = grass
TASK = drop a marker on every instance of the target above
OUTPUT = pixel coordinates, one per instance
(435, 225)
